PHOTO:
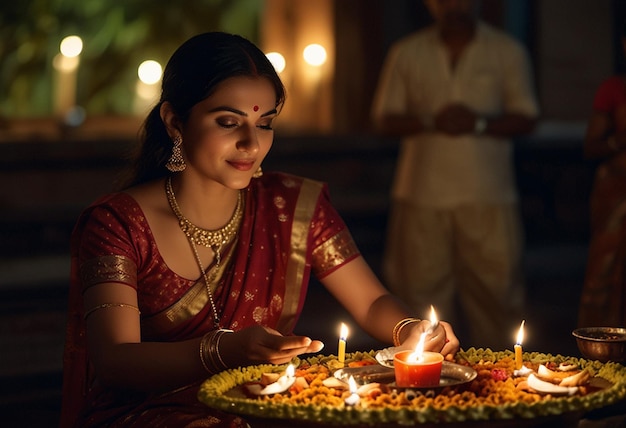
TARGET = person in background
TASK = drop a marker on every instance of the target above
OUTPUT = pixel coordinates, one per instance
(603, 298)
(202, 262)
(455, 93)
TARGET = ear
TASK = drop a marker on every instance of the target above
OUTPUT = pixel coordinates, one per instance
(170, 120)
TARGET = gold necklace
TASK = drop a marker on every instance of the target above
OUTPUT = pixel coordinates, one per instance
(213, 239)
(208, 238)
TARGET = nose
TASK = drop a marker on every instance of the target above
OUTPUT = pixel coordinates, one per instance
(248, 141)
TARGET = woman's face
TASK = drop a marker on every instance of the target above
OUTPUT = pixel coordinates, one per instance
(228, 134)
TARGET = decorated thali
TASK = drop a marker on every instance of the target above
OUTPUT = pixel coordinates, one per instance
(480, 385)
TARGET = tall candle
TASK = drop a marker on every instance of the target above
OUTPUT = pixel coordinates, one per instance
(418, 368)
(343, 335)
(518, 347)
(66, 68)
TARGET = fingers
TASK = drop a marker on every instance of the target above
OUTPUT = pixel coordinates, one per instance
(452, 344)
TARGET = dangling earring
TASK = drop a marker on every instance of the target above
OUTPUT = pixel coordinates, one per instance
(258, 173)
(176, 163)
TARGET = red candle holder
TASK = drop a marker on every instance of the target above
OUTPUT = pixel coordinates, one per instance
(420, 373)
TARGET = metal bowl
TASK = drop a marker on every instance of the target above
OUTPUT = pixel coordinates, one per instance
(602, 343)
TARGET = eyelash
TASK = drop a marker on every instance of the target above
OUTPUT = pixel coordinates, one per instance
(267, 127)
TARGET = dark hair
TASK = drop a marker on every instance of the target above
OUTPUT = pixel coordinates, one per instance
(191, 75)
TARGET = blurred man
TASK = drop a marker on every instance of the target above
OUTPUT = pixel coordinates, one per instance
(456, 92)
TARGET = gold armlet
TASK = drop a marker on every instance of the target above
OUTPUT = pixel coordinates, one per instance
(398, 328)
(110, 305)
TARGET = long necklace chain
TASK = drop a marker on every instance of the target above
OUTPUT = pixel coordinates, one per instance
(213, 239)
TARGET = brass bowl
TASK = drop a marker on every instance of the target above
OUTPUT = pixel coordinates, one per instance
(602, 343)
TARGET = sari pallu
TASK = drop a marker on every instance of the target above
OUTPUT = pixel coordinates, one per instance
(603, 300)
(289, 230)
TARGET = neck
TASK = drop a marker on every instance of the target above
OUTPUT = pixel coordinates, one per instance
(208, 207)
(458, 34)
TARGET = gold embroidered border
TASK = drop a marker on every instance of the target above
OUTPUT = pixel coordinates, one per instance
(190, 304)
(334, 252)
(108, 269)
(305, 207)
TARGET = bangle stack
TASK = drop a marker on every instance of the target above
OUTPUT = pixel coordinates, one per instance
(210, 352)
(398, 328)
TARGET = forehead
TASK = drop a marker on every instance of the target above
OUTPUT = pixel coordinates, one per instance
(244, 89)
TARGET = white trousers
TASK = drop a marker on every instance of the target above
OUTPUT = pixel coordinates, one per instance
(466, 262)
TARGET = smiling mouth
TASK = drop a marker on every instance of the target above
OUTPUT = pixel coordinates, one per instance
(242, 166)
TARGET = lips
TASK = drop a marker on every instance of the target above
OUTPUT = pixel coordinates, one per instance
(242, 165)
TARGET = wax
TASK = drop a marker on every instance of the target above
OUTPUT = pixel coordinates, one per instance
(518, 356)
(422, 372)
(341, 351)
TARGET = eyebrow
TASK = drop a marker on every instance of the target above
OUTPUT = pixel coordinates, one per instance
(239, 112)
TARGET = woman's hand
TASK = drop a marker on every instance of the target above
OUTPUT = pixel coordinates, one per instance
(262, 345)
(442, 339)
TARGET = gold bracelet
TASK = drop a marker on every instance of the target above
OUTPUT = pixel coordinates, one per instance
(398, 328)
(612, 143)
(210, 353)
(110, 305)
(202, 355)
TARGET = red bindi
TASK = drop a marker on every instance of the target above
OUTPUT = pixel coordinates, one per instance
(255, 108)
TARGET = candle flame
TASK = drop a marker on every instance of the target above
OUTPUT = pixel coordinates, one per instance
(291, 371)
(520, 333)
(343, 332)
(418, 354)
(352, 384)
(434, 321)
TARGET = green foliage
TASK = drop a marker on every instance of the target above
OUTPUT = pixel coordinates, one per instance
(117, 35)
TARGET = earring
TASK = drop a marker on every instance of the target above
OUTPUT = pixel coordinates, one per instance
(258, 173)
(176, 163)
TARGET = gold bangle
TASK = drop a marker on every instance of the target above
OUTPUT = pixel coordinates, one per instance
(110, 305)
(210, 353)
(398, 328)
(612, 143)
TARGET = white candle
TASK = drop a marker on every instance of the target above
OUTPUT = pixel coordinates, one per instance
(147, 87)
(66, 70)
(343, 335)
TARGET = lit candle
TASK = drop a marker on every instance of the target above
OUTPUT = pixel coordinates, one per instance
(518, 347)
(353, 398)
(66, 64)
(343, 335)
(434, 321)
(282, 384)
(418, 368)
(147, 88)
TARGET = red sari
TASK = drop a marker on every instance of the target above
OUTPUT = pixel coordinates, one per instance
(289, 230)
(603, 298)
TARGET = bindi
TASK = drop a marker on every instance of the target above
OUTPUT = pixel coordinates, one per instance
(255, 108)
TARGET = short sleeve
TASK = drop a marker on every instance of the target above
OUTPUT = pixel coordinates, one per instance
(610, 94)
(107, 246)
(332, 242)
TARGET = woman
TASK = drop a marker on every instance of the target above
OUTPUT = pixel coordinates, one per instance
(603, 301)
(202, 262)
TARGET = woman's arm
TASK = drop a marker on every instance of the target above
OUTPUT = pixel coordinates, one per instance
(122, 360)
(601, 140)
(377, 311)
